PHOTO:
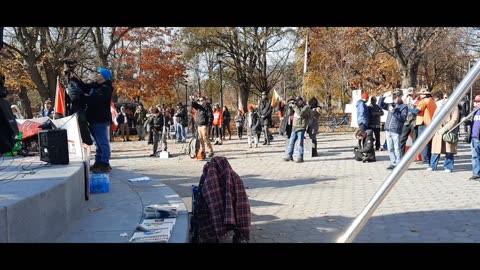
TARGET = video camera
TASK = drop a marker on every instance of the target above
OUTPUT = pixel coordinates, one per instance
(70, 65)
(291, 102)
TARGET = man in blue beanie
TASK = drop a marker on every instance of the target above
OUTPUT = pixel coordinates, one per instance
(99, 117)
(106, 74)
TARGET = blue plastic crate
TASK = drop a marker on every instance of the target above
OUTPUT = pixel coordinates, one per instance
(99, 183)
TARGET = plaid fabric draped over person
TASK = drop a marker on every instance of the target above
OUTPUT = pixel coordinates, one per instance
(224, 203)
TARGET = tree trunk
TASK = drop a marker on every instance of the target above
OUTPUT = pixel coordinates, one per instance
(409, 76)
(26, 102)
(37, 80)
(243, 93)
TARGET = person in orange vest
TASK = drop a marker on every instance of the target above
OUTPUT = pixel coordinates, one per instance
(426, 109)
(218, 123)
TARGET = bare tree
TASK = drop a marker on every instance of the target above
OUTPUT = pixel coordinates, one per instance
(407, 45)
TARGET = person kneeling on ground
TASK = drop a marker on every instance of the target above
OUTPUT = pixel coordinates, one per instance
(367, 151)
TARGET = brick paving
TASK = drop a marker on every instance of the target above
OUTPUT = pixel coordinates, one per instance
(315, 201)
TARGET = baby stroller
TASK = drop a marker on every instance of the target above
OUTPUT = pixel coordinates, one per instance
(219, 205)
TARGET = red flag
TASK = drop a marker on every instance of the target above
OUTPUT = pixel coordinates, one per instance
(114, 112)
(60, 99)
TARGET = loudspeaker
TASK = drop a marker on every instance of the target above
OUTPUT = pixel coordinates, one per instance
(53, 146)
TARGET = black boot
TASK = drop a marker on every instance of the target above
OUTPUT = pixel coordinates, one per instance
(314, 152)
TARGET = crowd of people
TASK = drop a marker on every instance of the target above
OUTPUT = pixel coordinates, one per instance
(409, 113)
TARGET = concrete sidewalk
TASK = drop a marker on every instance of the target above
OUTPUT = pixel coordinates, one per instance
(316, 201)
(112, 217)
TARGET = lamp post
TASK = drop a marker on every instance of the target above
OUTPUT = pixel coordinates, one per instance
(220, 60)
(186, 91)
(471, 63)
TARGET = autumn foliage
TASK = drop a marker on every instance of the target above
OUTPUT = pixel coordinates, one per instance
(148, 64)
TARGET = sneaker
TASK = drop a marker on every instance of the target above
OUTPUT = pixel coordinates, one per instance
(300, 160)
(448, 171)
(210, 154)
(474, 177)
(288, 159)
(429, 169)
(390, 167)
(102, 168)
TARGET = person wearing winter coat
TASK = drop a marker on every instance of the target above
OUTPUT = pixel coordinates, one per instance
(365, 153)
(441, 147)
(239, 123)
(254, 126)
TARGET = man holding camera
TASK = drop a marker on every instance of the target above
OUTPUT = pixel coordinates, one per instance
(202, 121)
(397, 114)
(301, 115)
(99, 116)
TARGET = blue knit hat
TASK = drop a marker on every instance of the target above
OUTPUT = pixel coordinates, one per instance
(106, 73)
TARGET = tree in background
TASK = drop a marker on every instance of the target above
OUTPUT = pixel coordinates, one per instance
(255, 55)
(148, 65)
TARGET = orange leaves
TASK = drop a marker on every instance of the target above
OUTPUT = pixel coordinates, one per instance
(148, 64)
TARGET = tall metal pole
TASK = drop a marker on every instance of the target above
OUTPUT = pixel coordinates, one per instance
(470, 63)
(417, 146)
(186, 93)
(221, 86)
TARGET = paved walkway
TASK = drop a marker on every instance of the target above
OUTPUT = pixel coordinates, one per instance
(112, 217)
(316, 201)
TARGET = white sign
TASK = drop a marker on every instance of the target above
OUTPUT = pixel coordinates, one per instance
(348, 108)
(70, 123)
(356, 96)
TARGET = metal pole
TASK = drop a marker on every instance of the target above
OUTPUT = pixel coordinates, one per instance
(221, 86)
(186, 93)
(470, 62)
(419, 145)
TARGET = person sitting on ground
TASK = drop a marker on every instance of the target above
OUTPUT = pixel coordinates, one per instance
(367, 151)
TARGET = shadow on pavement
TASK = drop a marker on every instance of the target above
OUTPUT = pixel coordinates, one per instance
(446, 226)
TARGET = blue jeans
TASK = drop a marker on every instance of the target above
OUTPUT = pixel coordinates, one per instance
(476, 156)
(427, 151)
(100, 134)
(180, 132)
(293, 138)
(448, 164)
(393, 146)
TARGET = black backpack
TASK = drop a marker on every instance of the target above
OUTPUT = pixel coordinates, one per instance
(8, 127)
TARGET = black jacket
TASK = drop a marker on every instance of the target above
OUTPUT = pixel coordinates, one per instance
(265, 111)
(204, 115)
(368, 149)
(98, 101)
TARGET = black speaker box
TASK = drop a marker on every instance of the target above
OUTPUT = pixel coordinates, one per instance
(53, 146)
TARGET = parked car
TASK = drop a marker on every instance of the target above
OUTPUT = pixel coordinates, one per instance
(130, 108)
